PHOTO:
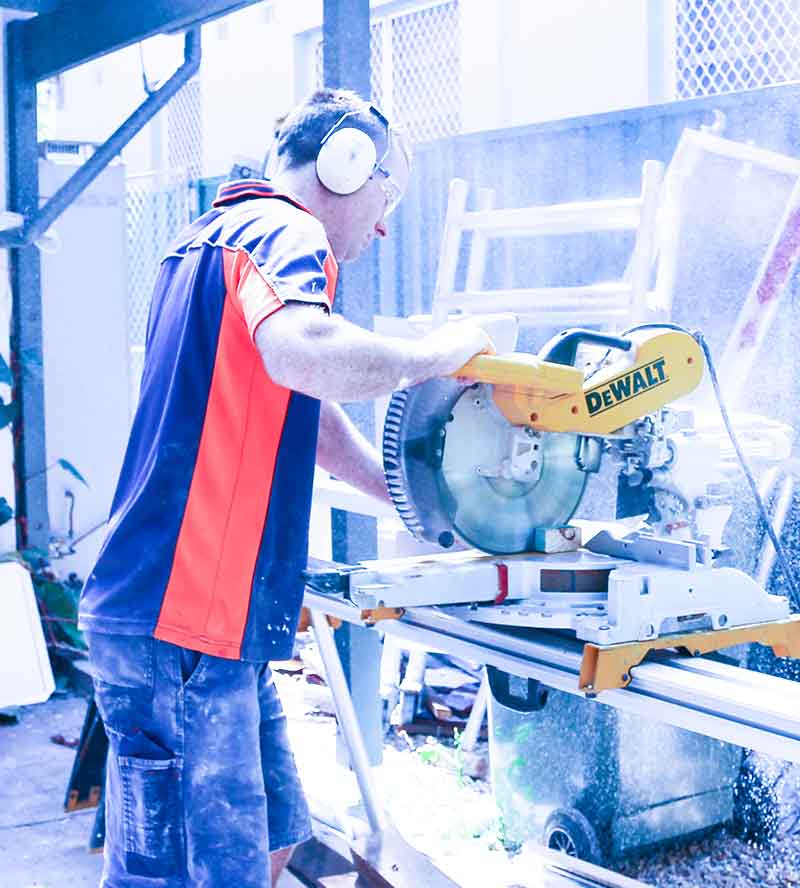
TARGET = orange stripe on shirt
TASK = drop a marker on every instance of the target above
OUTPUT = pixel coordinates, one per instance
(257, 299)
(208, 596)
(331, 270)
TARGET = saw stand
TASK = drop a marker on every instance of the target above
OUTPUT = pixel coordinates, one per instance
(383, 857)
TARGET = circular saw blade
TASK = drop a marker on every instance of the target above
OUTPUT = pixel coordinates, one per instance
(499, 492)
(446, 454)
(413, 435)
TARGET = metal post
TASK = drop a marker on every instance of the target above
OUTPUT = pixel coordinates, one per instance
(26, 315)
(30, 457)
(475, 721)
(347, 719)
(346, 64)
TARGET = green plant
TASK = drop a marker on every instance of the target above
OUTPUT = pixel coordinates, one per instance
(458, 741)
(57, 598)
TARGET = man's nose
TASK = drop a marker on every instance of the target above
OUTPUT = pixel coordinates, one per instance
(380, 228)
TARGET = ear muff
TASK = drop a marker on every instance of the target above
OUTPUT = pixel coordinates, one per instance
(346, 160)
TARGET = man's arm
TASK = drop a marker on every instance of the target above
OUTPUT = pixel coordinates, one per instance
(344, 452)
(327, 357)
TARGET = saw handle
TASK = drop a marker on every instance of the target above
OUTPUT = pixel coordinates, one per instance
(497, 369)
(563, 348)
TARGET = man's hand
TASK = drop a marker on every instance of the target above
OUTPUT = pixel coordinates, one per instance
(450, 346)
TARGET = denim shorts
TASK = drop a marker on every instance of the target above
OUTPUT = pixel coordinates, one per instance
(200, 784)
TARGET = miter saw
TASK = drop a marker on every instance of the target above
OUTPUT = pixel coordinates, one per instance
(493, 463)
(493, 460)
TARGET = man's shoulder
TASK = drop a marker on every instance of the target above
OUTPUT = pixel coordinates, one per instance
(252, 222)
(275, 214)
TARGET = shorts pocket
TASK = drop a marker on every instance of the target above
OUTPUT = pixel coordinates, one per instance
(152, 815)
(192, 665)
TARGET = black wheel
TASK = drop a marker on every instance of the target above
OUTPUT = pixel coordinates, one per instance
(569, 831)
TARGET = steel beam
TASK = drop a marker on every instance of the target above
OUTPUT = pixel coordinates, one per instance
(81, 30)
(346, 65)
(39, 221)
(33, 528)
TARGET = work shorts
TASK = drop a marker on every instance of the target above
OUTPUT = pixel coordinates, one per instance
(200, 784)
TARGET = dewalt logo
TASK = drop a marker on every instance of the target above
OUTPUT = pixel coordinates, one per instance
(626, 387)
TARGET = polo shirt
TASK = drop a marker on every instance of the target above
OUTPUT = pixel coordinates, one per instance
(208, 531)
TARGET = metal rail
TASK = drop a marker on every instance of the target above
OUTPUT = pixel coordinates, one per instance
(698, 694)
(37, 223)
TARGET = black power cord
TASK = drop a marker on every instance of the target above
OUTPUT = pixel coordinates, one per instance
(780, 551)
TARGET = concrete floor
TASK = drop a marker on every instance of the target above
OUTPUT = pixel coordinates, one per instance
(40, 845)
(436, 812)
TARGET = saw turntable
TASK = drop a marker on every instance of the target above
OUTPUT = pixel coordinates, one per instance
(493, 464)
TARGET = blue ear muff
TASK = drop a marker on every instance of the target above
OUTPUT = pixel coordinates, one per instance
(346, 160)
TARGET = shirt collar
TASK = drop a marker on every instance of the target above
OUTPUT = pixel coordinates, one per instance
(238, 190)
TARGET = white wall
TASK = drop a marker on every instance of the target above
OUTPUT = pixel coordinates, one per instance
(86, 369)
(246, 77)
(525, 62)
(93, 100)
(246, 82)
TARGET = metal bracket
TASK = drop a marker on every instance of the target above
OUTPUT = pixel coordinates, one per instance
(683, 554)
(607, 667)
(374, 615)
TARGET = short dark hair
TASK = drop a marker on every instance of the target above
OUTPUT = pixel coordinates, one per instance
(305, 127)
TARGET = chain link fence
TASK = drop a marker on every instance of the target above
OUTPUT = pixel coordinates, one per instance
(158, 206)
(727, 45)
(415, 69)
(185, 131)
(426, 71)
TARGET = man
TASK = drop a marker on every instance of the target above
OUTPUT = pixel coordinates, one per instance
(198, 584)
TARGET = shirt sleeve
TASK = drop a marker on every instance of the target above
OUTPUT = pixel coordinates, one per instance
(291, 263)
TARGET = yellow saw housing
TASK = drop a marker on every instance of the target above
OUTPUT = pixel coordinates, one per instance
(663, 367)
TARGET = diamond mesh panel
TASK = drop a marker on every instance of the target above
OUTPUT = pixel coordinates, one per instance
(185, 131)
(158, 206)
(420, 84)
(319, 68)
(726, 45)
(376, 63)
(426, 72)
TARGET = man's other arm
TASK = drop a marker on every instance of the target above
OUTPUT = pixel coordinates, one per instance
(344, 452)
